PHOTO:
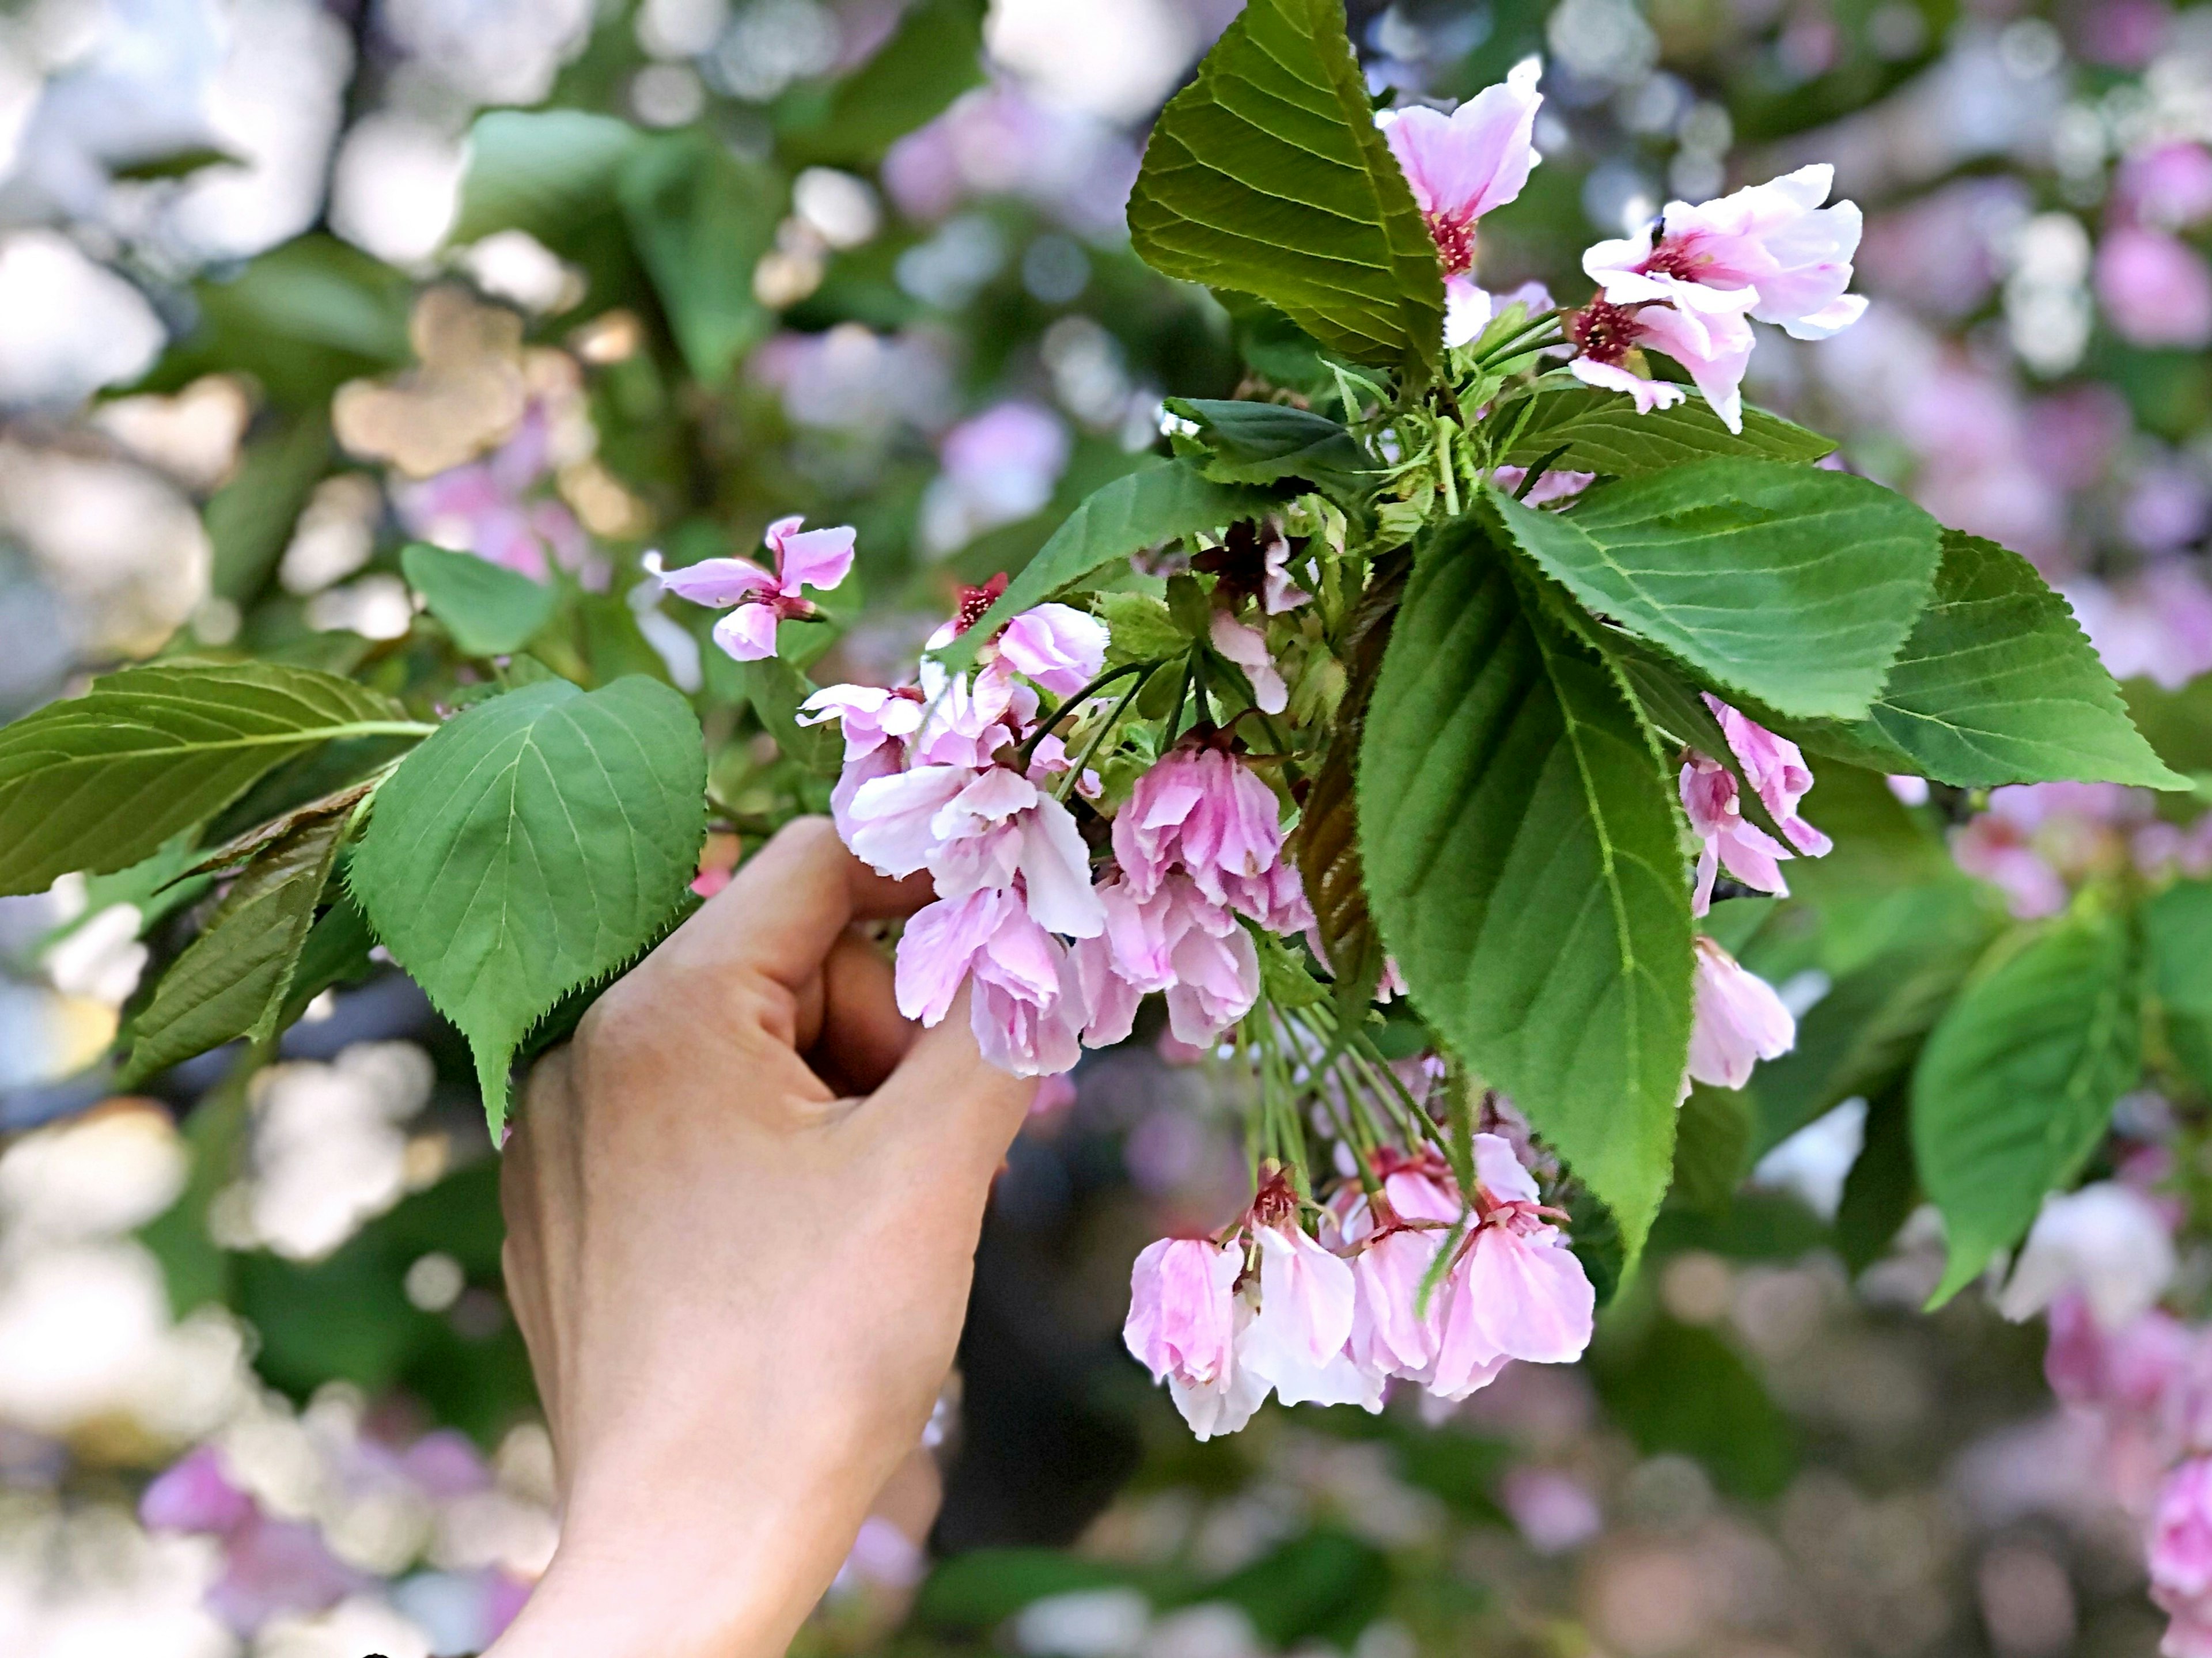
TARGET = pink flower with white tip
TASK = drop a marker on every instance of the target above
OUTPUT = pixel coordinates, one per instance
(803, 558)
(1183, 1309)
(1460, 167)
(1516, 1290)
(1735, 1021)
(1770, 250)
(1295, 1341)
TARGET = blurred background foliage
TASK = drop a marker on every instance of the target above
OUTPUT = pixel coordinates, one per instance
(286, 286)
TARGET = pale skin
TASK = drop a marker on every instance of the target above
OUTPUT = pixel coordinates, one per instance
(742, 1210)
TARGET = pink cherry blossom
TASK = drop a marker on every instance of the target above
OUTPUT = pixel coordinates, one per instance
(1516, 1290)
(1246, 646)
(1178, 941)
(1746, 851)
(1280, 590)
(1058, 646)
(2170, 185)
(803, 558)
(1714, 345)
(1770, 250)
(1736, 1020)
(1390, 1333)
(1202, 810)
(2181, 1557)
(1025, 1007)
(1462, 165)
(1775, 767)
(1295, 1342)
(2155, 288)
(1182, 1315)
(868, 715)
(1553, 485)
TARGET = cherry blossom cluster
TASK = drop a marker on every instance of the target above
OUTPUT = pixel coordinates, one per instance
(1689, 285)
(1405, 1277)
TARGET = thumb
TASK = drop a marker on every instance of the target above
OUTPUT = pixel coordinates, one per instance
(967, 1110)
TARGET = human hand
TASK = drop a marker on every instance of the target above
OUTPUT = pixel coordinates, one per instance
(742, 1210)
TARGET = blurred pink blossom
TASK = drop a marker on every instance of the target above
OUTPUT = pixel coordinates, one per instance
(2156, 288)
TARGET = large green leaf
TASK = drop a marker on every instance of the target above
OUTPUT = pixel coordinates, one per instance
(1137, 510)
(532, 844)
(545, 170)
(1998, 685)
(935, 54)
(234, 980)
(2016, 1084)
(488, 610)
(700, 218)
(101, 780)
(1262, 442)
(1266, 175)
(1788, 585)
(1603, 433)
(1522, 857)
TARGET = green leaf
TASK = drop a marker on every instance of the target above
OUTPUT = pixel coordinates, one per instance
(776, 689)
(1603, 433)
(1678, 1388)
(1785, 584)
(700, 218)
(1523, 856)
(1863, 1036)
(300, 319)
(1139, 627)
(1882, 1187)
(234, 979)
(1262, 442)
(1266, 175)
(1713, 1147)
(2178, 935)
(2177, 723)
(1137, 510)
(544, 171)
(2015, 1086)
(337, 953)
(935, 54)
(249, 520)
(530, 846)
(101, 780)
(1998, 685)
(488, 610)
(177, 164)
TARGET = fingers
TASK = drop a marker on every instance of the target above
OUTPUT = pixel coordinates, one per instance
(785, 909)
(969, 1108)
(859, 1037)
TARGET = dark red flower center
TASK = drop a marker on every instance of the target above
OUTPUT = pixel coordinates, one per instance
(974, 601)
